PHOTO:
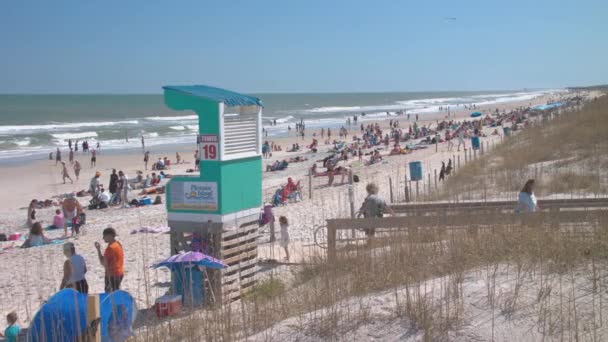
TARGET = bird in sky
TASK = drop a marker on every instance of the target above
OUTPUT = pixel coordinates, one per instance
(449, 18)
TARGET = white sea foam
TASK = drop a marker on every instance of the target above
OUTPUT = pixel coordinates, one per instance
(333, 109)
(172, 118)
(23, 142)
(150, 135)
(50, 127)
(192, 127)
(177, 128)
(79, 135)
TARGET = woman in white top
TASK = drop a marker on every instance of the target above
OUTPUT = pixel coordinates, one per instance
(74, 270)
(526, 202)
(284, 240)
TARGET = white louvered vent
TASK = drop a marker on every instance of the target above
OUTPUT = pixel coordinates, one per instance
(241, 133)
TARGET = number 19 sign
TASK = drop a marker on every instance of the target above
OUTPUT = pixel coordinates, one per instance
(207, 144)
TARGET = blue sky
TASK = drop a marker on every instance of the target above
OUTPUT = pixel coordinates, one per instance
(301, 46)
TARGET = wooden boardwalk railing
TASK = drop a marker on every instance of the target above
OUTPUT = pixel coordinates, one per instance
(473, 214)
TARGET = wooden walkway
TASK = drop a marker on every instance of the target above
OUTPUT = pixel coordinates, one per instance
(467, 215)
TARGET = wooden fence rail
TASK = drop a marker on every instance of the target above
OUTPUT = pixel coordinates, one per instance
(462, 215)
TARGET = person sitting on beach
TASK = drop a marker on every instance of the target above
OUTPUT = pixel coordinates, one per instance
(31, 213)
(167, 163)
(396, 150)
(74, 270)
(57, 220)
(375, 158)
(526, 202)
(36, 237)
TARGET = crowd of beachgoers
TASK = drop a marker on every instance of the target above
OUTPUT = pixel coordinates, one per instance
(101, 200)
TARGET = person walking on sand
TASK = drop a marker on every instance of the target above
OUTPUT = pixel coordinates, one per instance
(143, 143)
(284, 239)
(71, 156)
(57, 156)
(74, 270)
(123, 187)
(112, 260)
(113, 186)
(93, 158)
(146, 159)
(442, 172)
(526, 203)
(373, 206)
(65, 174)
(178, 158)
(461, 140)
(77, 169)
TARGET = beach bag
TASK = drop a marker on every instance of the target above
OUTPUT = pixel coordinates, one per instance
(158, 200)
(102, 205)
(83, 218)
(3, 237)
(356, 179)
(134, 203)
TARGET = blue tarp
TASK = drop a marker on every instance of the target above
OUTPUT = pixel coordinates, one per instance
(59, 320)
(548, 106)
(228, 97)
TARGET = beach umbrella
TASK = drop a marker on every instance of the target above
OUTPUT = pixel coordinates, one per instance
(191, 258)
(476, 114)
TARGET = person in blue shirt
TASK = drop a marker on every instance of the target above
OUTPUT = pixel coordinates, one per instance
(12, 330)
(526, 202)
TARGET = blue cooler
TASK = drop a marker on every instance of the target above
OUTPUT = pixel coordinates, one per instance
(506, 131)
(189, 284)
(415, 171)
(475, 143)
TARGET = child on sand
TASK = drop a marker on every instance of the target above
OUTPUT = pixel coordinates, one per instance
(57, 220)
(12, 330)
(77, 169)
(284, 240)
(65, 174)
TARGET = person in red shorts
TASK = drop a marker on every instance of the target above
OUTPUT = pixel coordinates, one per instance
(112, 260)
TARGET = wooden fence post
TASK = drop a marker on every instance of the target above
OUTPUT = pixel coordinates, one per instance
(331, 242)
(417, 191)
(351, 194)
(458, 161)
(428, 177)
(407, 194)
(390, 185)
(92, 315)
(309, 184)
(435, 171)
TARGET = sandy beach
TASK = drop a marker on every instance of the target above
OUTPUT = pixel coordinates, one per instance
(32, 275)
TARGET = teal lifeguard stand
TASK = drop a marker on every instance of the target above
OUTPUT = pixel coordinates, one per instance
(217, 210)
(228, 189)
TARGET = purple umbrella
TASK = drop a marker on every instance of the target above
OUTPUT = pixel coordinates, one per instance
(191, 258)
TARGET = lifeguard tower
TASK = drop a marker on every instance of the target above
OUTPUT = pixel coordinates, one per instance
(220, 206)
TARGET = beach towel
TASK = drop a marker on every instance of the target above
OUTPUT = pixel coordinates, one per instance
(148, 230)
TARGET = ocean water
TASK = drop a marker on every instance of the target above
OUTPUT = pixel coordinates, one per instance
(33, 125)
